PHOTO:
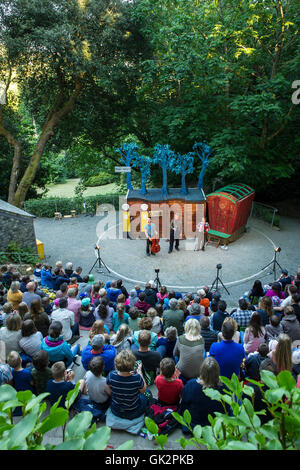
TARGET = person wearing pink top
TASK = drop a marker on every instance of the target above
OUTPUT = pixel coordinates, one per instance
(254, 334)
(73, 304)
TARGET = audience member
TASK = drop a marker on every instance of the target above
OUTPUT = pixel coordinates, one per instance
(99, 348)
(11, 333)
(173, 317)
(169, 388)
(105, 313)
(133, 320)
(22, 378)
(290, 324)
(237, 336)
(61, 384)
(141, 304)
(254, 334)
(57, 348)
(22, 310)
(242, 314)
(31, 340)
(150, 359)
(96, 384)
(207, 334)
(274, 329)
(41, 371)
(86, 313)
(14, 295)
(119, 317)
(29, 295)
(253, 361)
(156, 321)
(122, 339)
(265, 309)
(219, 316)
(39, 317)
(66, 318)
(150, 294)
(282, 354)
(145, 324)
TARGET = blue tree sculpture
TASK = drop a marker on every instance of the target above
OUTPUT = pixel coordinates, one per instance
(143, 163)
(203, 151)
(184, 166)
(166, 158)
(129, 153)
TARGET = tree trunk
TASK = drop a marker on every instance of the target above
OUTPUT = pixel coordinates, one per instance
(53, 119)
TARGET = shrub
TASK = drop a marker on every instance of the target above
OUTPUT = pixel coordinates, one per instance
(15, 254)
(100, 179)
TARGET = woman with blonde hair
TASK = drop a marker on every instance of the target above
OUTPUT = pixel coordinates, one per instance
(119, 317)
(282, 354)
(265, 309)
(98, 328)
(122, 339)
(236, 336)
(14, 295)
(189, 349)
(156, 321)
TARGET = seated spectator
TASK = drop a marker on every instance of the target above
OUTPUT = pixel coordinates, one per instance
(150, 294)
(133, 298)
(59, 279)
(138, 290)
(276, 293)
(7, 276)
(119, 317)
(195, 312)
(141, 304)
(133, 320)
(63, 291)
(105, 313)
(84, 286)
(242, 314)
(284, 279)
(41, 371)
(37, 272)
(113, 292)
(23, 284)
(181, 305)
(29, 295)
(22, 310)
(96, 384)
(59, 265)
(169, 388)
(14, 295)
(122, 339)
(236, 337)
(7, 308)
(61, 384)
(99, 328)
(290, 324)
(99, 348)
(47, 305)
(254, 334)
(156, 321)
(31, 340)
(265, 309)
(256, 293)
(291, 290)
(57, 348)
(162, 294)
(253, 361)
(296, 305)
(165, 344)
(194, 399)
(69, 269)
(173, 317)
(86, 313)
(144, 324)
(126, 388)
(122, 288)
(11, 333)
(39, 317)
(73, 304)
(189, 348)
(227, 353)
(5, 374)
(22, 378)
(77, 273)
(150, 359)
(207, 334)
(47, 278)
(73, 285)
(282, 354)
(219, 315)
(38, 291)
(66, 318)
(274, 329)
(204, 301)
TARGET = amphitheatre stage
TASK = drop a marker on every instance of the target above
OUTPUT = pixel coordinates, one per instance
(186, 270)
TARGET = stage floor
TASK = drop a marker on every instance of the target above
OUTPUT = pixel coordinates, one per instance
(186, 270)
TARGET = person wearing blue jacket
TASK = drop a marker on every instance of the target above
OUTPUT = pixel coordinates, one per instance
(47, 278)
(57, 348)
(99, 348)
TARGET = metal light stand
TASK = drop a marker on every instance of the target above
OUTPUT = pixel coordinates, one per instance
(100, 262)
(217, 280)
(157, 281)
(273, 263)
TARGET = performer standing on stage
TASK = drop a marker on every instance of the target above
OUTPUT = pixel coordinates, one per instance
(202, 230)
(175, 233)
(149, 232)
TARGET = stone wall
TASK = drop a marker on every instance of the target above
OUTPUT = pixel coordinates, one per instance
(16, 228)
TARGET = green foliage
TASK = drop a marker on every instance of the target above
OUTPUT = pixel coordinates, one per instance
(16, 254)
(242, 429)
(100, 179)
(46, 207)
(28, 433)
(266, 214)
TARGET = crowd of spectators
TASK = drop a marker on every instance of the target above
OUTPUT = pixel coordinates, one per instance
(178, 342)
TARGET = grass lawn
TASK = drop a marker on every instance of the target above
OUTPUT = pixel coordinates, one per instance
(67, 189)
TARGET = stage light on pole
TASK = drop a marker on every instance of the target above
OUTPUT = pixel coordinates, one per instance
(278, 249)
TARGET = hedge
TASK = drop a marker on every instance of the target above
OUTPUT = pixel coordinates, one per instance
(100, 179)
(46, 207)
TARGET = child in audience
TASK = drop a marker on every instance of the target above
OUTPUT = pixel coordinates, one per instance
(47, 305)
(165, 344)
(96, 384)
(41, 371)
(133, 321)
(22, 378)
(61, 383)
(119, 317)
(86, 313)
(99, 328)
(122, 339)
(169, 388)
(274, 329)
(156, 321)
